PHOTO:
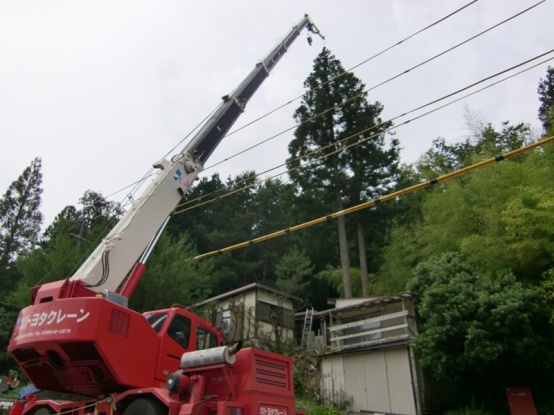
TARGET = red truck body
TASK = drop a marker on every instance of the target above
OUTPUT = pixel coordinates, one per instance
(259, 382)
(90, 346)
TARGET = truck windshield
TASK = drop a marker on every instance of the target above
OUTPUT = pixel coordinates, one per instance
(156, 320)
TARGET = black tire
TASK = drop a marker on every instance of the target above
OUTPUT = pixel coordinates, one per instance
(44, 411)
(145, 407)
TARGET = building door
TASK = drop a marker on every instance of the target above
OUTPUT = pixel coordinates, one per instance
(380, 381)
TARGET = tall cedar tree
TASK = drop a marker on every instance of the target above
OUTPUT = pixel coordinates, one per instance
(334, 117)
(20, 218)
(546, 97)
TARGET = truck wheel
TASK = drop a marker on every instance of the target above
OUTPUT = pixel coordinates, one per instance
(144, 407)
(44, 411)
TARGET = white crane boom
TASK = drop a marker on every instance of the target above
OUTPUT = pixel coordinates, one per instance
(109, 264)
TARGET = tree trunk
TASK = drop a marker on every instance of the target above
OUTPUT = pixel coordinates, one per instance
(344, 258)
(363, 258)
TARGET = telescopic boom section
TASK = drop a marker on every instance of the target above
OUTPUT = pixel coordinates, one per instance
(205, 142)
(107, 267)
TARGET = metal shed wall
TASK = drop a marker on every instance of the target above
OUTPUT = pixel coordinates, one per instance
(376, 380)
(332, 379)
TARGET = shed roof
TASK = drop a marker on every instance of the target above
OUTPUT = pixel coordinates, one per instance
(369, 302)
(250, 287)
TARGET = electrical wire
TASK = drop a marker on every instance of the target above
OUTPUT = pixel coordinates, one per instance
(136, 186)
(365, 91)
(357, 134)
(350, 70)
(338, 76)
(148, 174)
(375, 202)
(458, 45)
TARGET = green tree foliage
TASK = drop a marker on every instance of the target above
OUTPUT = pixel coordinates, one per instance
(8, 315)
(488, 332)
(63, 246)
(270, 216)
(95, 213)
(376, 172)
(335, 115)
(547, 284)
(198, 214)
(20, 219)
(319, 242)
(293, 271)
(171, 277)
(66, 243)
(443, 158)
(217, 215)
(332, 277)
(399, 259)
(517, 233)
(497, 216)
(546, 97)
(55, 262)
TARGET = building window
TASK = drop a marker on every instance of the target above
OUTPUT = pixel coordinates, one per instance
(274, 314)
(223, 321)
(231, 321)
(205, 339)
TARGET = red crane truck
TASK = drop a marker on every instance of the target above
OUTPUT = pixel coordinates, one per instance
(79, 337)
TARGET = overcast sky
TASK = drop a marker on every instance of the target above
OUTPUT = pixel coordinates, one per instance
(102, 89)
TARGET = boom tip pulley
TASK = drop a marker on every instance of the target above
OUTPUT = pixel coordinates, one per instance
(312, 28)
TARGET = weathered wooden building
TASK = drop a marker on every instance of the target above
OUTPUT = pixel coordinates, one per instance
(255, 313)
(366, 359)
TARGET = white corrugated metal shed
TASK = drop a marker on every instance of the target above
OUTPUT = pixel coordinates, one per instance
(369, 362)
(375, 381)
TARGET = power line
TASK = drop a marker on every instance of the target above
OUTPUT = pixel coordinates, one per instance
(350, 70)
(357, 134)
(379, 84)
(356, 97)
(457, 45)
(375, 202)
(149, 173)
